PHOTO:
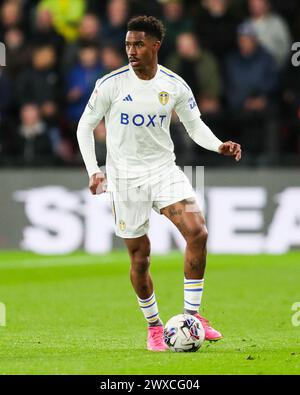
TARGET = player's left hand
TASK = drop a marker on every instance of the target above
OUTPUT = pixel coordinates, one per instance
(229, 148)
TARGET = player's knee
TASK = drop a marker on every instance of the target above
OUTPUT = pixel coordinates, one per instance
(140, 264)
(197, 236)
(140, 257)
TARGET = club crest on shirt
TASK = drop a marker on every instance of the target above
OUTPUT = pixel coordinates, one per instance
(122, 225)
(163, 97)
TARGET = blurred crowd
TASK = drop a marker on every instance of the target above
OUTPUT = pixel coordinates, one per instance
(235, 55)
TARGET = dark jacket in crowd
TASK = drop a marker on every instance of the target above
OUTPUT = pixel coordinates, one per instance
(5, 94)
(34, 144)
(249, 77)
(201, 73)
(37, 86)
(84, 79)
(216, 33)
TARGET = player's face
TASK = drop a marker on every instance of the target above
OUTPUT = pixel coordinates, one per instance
(141, 49)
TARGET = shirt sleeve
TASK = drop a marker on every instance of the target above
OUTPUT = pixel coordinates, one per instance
(186, 107)
(96, 108)
(202, 135)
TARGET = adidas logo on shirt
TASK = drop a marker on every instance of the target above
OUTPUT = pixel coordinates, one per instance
(127, 98)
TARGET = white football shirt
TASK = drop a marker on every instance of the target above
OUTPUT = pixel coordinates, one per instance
(137, 117)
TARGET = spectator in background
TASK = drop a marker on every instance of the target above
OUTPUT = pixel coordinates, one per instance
(66, 15)
(215, 26)
(96, 7)
(111, 58)
(89, 32)
(199, 69)
(251, 103)
(40, 82)
(290, 11)
(5, 96)
(90, 28)
(80, 84)
(43, 32)
(10, 16)
(5, 103)
(34, 142)
(146, 7)
(251, 82)
(114, 26)
(176, 22)
(290, 137)
(18, 53)
(271, 30)
(7, 119)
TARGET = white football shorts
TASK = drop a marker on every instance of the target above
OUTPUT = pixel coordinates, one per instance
(132, 207)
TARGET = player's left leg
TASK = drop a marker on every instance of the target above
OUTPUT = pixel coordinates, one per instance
(187, 217)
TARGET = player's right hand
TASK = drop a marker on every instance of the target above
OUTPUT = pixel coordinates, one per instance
(97, 183)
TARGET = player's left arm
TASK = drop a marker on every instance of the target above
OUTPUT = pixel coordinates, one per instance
(203, 136)
(189, 114)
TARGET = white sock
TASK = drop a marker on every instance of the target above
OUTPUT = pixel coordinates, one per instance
(193, 290)
(150, 309)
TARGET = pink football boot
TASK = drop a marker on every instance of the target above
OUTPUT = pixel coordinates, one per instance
(210, 333)
(155, 340)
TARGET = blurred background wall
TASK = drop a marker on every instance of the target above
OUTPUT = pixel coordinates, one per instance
(54, 213)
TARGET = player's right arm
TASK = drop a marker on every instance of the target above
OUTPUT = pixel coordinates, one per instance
(95, 110)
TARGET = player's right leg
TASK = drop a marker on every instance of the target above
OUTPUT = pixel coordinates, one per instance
(139, 252)
(131, 211)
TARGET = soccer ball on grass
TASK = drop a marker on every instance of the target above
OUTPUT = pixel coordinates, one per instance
(184, 333)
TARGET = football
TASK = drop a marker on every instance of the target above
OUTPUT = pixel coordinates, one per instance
(184, 333)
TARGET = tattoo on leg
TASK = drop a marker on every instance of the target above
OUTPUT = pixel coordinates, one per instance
(173, 211)
(194, 264)
(195, 267)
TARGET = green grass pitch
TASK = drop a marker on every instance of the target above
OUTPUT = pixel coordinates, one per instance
(77, 314)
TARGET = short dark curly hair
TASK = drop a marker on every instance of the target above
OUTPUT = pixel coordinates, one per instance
(148, 24)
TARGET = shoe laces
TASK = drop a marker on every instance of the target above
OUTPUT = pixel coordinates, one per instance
(156, 335)
(204, 321)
